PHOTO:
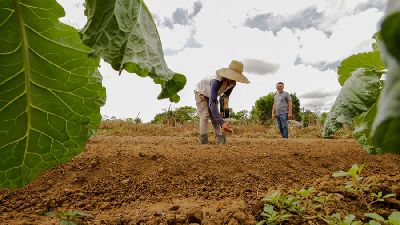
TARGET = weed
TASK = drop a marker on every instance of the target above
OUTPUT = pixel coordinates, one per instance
(393, 219)
(336, 219)
(272, 217)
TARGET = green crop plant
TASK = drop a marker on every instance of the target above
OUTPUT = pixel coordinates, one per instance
(272, 217)
(51, 89)
(361, 186)
(378, 197)
(366, 100)
(336, 219)
(357, 183)
(393, 219)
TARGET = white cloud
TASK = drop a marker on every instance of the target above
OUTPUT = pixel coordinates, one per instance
(219, 29)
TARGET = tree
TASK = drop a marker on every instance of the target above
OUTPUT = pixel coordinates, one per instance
(296, 107)
(180, 115)
(242, 115)
(263, 108)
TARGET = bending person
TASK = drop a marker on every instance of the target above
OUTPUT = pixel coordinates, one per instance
(206, 94)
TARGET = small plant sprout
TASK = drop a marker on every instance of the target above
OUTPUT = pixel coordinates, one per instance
(272, 217)
(393, 219)
(357, 183)
(336, 219)
(353, 172)
(304, 193)
(273, 198)
(379, 198)
(321, 200)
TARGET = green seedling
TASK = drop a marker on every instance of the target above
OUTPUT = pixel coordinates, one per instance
(393, 219)
(336, 219)
(289, 203)
(293, 204)
(379, 197)
(273, 198)
(353, 172)
(304, 193)
(357, 184)
(321, 200)
(272, 217)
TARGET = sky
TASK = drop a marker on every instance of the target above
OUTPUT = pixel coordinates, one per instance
(300, 43)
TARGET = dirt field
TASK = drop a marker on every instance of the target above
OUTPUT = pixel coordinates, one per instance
(150, 175)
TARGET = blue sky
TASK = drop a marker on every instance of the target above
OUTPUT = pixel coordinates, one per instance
(298, 42)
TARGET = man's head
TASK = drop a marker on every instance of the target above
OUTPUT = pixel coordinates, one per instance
(280, 86)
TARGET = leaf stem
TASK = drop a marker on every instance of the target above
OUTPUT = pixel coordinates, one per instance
(26, 70)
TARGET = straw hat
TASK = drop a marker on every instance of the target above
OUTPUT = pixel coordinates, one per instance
(234, 72)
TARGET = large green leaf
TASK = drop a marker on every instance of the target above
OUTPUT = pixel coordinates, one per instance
(124, 34)
(391, 34)
(369, 61)
(386, 127)
(362, 131)
(50, 91)
(357, 95)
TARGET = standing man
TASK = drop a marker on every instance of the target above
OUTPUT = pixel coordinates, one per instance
(282, 109)
(206, 94)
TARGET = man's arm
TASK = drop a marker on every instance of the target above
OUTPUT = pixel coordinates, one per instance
(215, 85)
(273, 111)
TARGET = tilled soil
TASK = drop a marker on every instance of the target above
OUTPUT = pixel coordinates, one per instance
(175, 180)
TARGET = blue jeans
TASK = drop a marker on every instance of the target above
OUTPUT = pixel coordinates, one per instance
(282, 121)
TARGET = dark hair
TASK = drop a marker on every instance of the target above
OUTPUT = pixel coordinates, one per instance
(280, 82)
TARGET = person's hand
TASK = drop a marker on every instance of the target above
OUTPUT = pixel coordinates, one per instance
(290, 116)
(273, 116)
(225, 127)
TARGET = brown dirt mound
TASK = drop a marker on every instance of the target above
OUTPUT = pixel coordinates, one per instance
(175, 180)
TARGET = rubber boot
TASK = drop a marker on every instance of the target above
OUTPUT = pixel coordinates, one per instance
(220, 139)
(203, 139)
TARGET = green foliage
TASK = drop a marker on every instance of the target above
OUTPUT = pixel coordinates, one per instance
(390, 34)
(272, 217)
(124, 34)
(180, 115)
(262, 110)
(296, 107)
(393, 218)
(358, 94)
(51, 91)
(308, 117)
(323, 117)
(363, 130)
(370, 61)
(336, 219)
(378, 126)
(314, 206)
(362, 186)
(386, 127)
(242, 116)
